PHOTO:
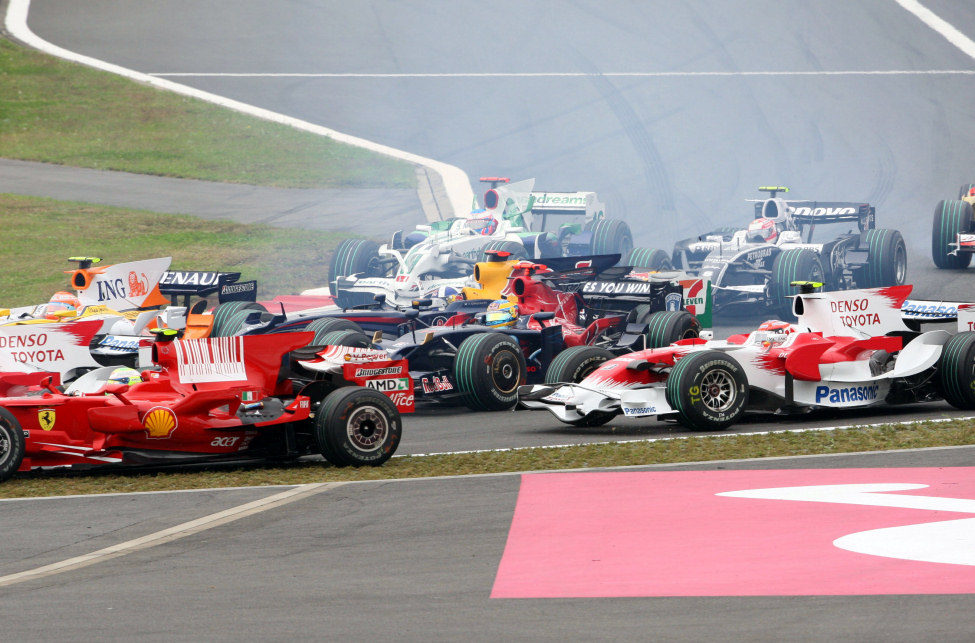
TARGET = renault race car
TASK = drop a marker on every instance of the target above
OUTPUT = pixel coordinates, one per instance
(849, 349)
(217, 399)
(953, 230)
(751, 269)
(527, 224)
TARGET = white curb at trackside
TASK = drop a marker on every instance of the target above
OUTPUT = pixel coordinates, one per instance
(456, 182)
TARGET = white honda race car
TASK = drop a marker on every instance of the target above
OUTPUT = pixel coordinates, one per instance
(516, 220)
(848, 349)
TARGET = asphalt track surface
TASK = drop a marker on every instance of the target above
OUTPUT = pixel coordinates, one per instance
(674, 154)
(413, 560)
(841, 101)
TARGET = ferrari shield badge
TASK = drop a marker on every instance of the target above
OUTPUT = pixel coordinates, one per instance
(45, 417)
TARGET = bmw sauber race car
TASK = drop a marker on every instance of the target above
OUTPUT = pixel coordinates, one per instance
(526, 224)
(953, 232)
(831, 242)
(209, 400)
(849, 349)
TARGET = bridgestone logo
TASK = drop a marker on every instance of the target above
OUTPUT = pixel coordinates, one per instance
(234, 288)
(373, 372)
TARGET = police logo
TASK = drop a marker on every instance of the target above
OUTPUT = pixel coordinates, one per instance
(672, 301)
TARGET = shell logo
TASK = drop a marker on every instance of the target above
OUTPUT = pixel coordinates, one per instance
(160, 422)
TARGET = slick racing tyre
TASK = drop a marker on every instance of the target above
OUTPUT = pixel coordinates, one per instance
(950, 218)
(357, 427)
(226, 320)
(611, 236)
(708, 390)
(516, 249)
(648, 259)
(573, 365)
(965, 189)
(12, 444)
(488, 370)
(354, 257)
(956, 371)
(886, 258)
(324, 325)
(797, 264)
(350, 338)
(666, 327)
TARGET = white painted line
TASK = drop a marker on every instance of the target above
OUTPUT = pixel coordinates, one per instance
(571, 74)
(456, 182)
(944, 28)
(147, 493)
(688, 437)
(171, 534)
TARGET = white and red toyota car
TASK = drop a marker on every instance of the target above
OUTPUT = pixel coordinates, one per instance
(848, 349)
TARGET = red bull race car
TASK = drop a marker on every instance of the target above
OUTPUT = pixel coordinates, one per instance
(849, 349)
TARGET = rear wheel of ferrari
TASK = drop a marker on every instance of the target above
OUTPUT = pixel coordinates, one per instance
(951, 218)
(224, 324)
(357, 427)
(965, 190)
(956, 371)
(797, 264)
(647, 258)
(324, 325)
(488, 370)
(573, 365)
(611, 236)
(886, 258)
(708, 390)
(12, 444)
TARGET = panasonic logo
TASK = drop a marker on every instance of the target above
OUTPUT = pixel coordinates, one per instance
(847, 394)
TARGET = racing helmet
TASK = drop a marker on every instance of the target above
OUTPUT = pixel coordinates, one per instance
(485, 226)
(971, 191)
(125, 375)
(501, 313)
(448, 293)
(62, 300)
(774, 331)
(762, 231)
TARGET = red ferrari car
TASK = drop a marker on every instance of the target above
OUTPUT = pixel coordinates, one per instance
(210, 399)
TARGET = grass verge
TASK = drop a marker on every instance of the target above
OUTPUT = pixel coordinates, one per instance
(55, 111)
(695, 449)
(40, 234)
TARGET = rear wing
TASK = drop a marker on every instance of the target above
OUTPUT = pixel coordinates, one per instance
(190, 283)
(921, 311)
(830, 212)
(551, 209)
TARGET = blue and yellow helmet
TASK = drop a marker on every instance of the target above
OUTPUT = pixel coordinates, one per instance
(500, 313)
